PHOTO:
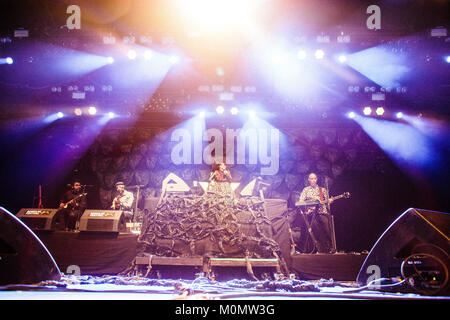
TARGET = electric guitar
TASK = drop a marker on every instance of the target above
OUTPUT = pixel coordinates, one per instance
(317, 202)
(73, 200)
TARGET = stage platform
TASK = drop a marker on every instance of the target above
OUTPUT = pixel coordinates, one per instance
(112, 253)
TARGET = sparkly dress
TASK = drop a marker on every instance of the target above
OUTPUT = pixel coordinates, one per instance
(220, 184)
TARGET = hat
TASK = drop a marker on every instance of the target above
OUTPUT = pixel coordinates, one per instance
(120, 183)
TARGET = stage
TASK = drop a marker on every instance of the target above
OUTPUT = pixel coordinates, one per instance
(100, 254)
(224, 150)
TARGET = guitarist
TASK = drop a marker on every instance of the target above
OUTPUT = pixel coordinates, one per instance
(317, 214)
(314, 192)
(72, 204)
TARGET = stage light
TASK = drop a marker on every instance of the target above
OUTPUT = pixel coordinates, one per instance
(202, 114)
(301, 54)
(251, 113)
(447, 59)
(234, 111)
(220, 72)
(399, 115)
(367, 111)
(131, 54)
(78, 111)
(9, 60)
(220, 109)
(351, 115)
(148, 54)
(379, 111)
(174, 59)
(92, 110)
(110, 60)
(319, 54)
(111, 115)
(342, 58)
(60, 115)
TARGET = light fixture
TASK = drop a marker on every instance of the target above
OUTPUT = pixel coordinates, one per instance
(379, 111)
(319, 54)
(367, 111)
(131, 54)
(92, 110)
(220, 109)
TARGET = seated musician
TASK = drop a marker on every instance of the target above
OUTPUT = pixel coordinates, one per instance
(123, 201)
(71, 206)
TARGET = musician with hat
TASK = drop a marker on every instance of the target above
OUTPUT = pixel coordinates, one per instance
(123, 200)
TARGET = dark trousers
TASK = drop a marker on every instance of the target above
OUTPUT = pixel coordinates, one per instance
(69, 218)
(316, 238)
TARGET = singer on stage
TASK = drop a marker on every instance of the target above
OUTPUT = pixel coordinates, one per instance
(219, 181)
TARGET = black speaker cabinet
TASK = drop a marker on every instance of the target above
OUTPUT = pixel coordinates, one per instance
(415, 233)
(37, 219)
(103, 221)
(23, 257)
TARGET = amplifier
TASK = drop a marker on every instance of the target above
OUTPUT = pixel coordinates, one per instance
(103, 221)
(37, 219)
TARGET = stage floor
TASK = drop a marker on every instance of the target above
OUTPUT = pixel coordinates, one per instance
(101, 257)
(135, 288)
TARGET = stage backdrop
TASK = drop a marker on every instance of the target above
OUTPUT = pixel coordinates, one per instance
(145, 157)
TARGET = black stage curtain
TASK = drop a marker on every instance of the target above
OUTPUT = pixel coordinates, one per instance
(94, 253)
(277, 213)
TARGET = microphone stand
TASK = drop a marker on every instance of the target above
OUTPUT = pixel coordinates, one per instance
(138, 187)
(331, 222)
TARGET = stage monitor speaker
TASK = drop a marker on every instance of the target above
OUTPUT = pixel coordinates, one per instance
(37, 219)
(415, 246)
(103, 221)
(23, 257)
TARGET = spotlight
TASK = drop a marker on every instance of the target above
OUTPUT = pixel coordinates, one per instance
(220, 109)
(379, 111)
(147, 54)
(351, 115)
(202, 114)
(342, 58)
(220, 72)
(9, 60)
(251, 113)
(234, 111)
(447, 59)
(319, 54)
(174, 59)
(399, 115)
(110, 60)
(60, 114)
(301, 54)
(92, 110)
(111, 115)
(278, 59)
(78, 111)
(131, 54)
(367, 111)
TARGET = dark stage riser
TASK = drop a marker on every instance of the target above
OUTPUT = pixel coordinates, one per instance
(338, 266)
(93, 253)
(101, 254)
